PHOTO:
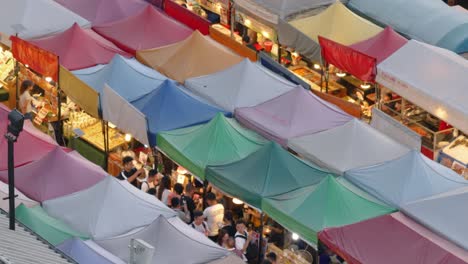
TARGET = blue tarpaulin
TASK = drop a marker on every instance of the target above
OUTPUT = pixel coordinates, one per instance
(87, 252)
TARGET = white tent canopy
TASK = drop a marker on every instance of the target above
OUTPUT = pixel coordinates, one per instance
(36, 18)
(107, 209)
(430, 77)
(352, 145)
(173, 240)
(19, 199)
(243, 85)
(406, 179)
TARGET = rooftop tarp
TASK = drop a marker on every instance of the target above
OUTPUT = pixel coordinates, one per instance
(405, 179)
(148, 29)
(56, 174)
(52, 230)
(346, 147)
(444, 214)
(221, 141)
(129, 78)
(107, 209)
(269, 171)
(87, 252)
(337, 23)
(79, 48)
(430, 77)
(329, 203)
(363, 242)
(20, 198)
(244, 84)
(165, 235)
(195, 56)
(36, 18)
(445, 26)
(295, 113)
(104, 11)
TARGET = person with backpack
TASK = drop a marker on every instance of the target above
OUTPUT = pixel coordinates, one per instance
(149, 182)
(242, 240)
(199, 223)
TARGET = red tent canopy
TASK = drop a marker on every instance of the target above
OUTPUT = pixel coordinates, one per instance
(146, 30)
(391, 239)
(79, 48)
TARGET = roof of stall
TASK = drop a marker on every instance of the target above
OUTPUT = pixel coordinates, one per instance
(148, 29)
(87, 252)
(195, 56)
(20, 198)
(295, 113)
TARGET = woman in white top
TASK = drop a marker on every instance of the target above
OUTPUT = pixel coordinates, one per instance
(164, 190)
(26, 100)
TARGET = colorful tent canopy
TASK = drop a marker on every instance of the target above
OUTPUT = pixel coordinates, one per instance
(444, 214)
(52, 230)
(405, 179)
(148, 29)
(376, 241)
(195, 56)
(79, 48)
(382, 45)
(445, 26)
(244, 84)
(87, 252)
(337, 23)
(165, 235)
(269, 171)
(441, 93)
(295, 113)
(36, 18)
(20, 198)
(56, 174)
(220, 141)
(329, 203)
(107, 209)
(168, 107)
(104, 11)
(346, 147)
(121, 74)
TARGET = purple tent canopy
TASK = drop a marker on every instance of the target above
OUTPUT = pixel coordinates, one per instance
(295, 113)
(54, 175)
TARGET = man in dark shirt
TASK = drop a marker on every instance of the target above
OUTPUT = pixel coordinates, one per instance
(130, 173)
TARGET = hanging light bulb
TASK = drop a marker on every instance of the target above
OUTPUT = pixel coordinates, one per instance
(316, 66)
(365, 85)
(181, 170)
(295, 236)
(341, 74)
(48, 79)
(128, 137)
(237, 201)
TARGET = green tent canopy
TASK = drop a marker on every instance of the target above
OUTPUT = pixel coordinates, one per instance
(331, 203)
(52, 230)
(267, 172)
(220, 141)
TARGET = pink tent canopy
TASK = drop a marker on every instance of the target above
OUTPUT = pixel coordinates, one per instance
(391, 239)
(295, 113)
(57, 174)
(31, 145)
(382, 45)
(79, 48)
(104, 11)
(145, 30)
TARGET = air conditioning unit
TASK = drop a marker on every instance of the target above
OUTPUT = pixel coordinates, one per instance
(140, 252)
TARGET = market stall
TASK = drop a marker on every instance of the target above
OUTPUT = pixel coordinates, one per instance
(7, 77)
(455, 156)
(159, 30)
(295, 113)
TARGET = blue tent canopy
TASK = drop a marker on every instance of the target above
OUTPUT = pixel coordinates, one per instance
(168, 107)
(81, 252)
(433, 22)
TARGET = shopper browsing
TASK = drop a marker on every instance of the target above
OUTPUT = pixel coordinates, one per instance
(182, 212)
(129, 173)
(199, 223)
(214, 215)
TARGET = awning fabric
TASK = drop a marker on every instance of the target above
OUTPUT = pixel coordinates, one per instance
(52, 230)
(346, 147)
(242, 85)
(56, 174)
(148, 29)
(433, 78)
(165, 235)
(295, 113)
(169, 107)
(406, 179)
(107, 209)
(36, 18)
(87, 252)
(367, 242)
(104, 11)
(329, 203)
(79, 48)
(433, 22)
(269, 171)
(195, 56)
(220, 141)
(19, 199)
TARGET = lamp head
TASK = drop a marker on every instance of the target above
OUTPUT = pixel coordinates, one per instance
(16, 122)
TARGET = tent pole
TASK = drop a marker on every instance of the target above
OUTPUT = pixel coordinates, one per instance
(327, 77)
(205, 188)
(377, 95)
(59, 102)
(232, 18)
(260, 239)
